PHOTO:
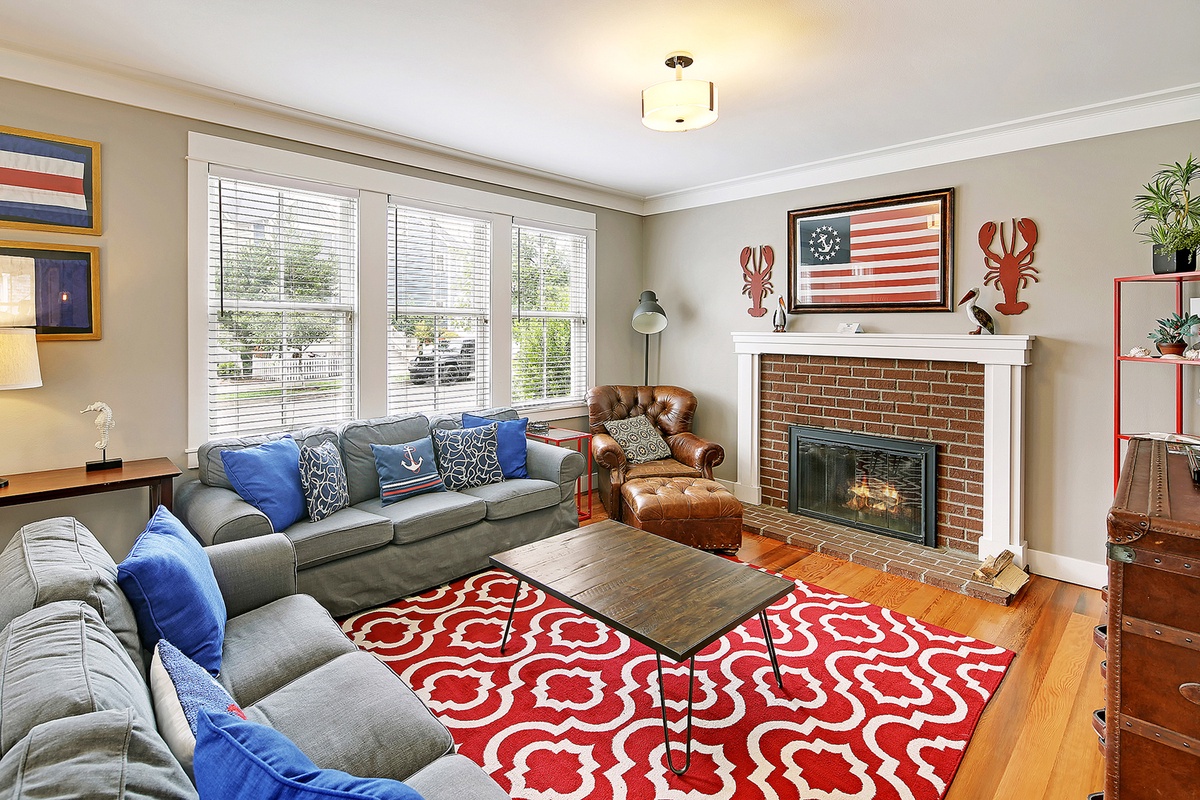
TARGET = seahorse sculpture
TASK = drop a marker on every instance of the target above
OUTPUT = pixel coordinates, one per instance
(104, 422)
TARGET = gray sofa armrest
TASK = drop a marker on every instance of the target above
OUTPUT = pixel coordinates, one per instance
(216, 515)
(550, 463)
(253, 572)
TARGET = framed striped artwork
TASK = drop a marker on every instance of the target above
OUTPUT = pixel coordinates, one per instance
(48, 182)
(886, 254)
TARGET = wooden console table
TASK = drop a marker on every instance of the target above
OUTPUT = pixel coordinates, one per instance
(156, 474)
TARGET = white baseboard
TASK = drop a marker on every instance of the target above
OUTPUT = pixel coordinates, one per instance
(1064, 568)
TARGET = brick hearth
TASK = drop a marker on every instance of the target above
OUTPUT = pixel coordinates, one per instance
(945, 569)
(937, 401)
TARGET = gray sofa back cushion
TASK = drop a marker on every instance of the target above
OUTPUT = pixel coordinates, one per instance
(212, 471)
(454, 421)
(357, 458)
(59, 559)
(115, 755)
(60, 661)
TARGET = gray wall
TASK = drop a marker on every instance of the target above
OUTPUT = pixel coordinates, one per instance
(139, 367)
(1079, 195)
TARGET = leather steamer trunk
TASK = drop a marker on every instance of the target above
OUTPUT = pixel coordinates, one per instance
(1152, 717)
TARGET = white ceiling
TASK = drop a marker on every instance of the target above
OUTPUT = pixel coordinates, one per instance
(554, 86)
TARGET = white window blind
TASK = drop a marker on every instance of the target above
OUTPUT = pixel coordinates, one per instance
(549, 316)
(439, 284)
(282, 274)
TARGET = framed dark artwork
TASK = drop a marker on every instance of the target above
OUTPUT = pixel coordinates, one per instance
(53, 288)
(48, 182)
(886, 254)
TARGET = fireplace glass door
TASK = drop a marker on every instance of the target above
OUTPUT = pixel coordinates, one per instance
(869, 482)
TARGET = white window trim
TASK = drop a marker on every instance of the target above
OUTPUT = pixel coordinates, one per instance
(374, 187)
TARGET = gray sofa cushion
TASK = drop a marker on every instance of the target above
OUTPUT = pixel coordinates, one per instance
(345, 533)
(453, 777)
(426, 515)
(114, 755)
(212, 471)
(356, 440)
(277, 643)
(516, 496)
(382, 729)
(59, 559)
(453, 421)
(59, 660)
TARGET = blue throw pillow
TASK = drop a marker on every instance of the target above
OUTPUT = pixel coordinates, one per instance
(511, 444)
(173, 591)
(406, 469)
(181, 688)
(268, 477)
(324, 480)
(467, 456)
(236, 759)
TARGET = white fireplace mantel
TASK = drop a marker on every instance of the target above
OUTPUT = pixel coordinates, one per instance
(1004, 359)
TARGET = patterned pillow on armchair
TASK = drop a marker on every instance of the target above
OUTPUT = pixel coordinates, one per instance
(638, 437)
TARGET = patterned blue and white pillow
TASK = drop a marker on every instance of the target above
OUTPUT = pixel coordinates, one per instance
(467, 456)
(180, 688)
(406, 469)
(324, 480)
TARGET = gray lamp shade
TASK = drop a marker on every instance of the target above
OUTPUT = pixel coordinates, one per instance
(19, 367)
(649, 316)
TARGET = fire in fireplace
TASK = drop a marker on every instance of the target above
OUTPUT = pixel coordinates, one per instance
(873, 483)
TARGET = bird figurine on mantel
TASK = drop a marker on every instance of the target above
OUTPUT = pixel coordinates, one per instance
(981, 319)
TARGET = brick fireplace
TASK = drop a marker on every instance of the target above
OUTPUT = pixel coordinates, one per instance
(965, 393)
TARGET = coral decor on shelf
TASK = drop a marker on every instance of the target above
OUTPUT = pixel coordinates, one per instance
(757, 280)
(1012, 270)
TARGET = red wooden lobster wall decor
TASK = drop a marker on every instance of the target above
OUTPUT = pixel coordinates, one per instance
(757, 280)
(1013, 270)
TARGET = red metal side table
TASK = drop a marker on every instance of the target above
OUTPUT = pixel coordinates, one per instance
(581, 442)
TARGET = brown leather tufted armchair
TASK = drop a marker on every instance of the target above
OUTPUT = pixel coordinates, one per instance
(670, 408)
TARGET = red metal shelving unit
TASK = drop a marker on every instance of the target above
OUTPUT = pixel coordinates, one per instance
(1179, 279)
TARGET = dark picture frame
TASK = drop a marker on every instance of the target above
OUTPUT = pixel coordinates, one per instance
(53, 288)
(49, 182)
(884, 254)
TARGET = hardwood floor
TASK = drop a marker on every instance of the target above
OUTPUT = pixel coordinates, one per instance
(1035, 739)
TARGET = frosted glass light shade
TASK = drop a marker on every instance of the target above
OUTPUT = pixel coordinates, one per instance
(19, 368)
(679, 105)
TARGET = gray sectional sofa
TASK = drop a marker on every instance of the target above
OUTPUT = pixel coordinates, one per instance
(368, 553)
(76, 716)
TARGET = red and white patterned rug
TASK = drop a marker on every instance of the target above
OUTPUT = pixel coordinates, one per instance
(876, 704)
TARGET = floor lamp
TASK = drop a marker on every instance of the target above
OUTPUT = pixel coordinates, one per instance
(19, 367)
(648, 318)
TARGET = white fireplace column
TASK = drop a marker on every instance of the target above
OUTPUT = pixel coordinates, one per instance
(1004, 359)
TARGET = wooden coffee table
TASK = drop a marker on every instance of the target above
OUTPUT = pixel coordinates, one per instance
(670, 597)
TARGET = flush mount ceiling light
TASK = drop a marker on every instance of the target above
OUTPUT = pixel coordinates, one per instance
(679, 105)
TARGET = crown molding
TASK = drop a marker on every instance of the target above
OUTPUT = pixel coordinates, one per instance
(181, 98)
(1152, 110)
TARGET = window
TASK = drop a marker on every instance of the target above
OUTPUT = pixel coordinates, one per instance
(281, 306)
(549, 316)
(321, 291)
(438, 295)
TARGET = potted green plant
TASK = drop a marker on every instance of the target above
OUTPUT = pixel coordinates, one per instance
(1170, 332)
(1172, 215)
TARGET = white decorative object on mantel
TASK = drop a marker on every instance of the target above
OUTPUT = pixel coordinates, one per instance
(1004, 359)
(849, 327)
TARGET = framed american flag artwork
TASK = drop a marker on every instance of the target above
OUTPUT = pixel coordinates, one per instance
(48, 182)
(886, 254)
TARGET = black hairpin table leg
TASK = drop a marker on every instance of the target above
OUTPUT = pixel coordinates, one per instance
(762, 617)
(511, 611)
(662, 698)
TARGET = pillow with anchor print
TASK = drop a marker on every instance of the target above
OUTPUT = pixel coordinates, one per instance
(406, 469)
(324, 480)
